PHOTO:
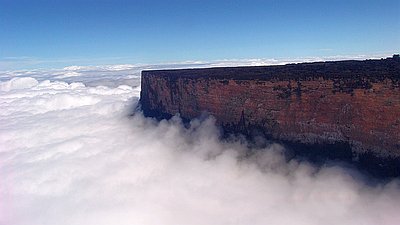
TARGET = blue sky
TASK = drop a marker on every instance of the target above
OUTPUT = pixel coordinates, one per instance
(60, 32)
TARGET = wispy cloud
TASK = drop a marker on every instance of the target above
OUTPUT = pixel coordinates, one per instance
(325, 49)
(128, 73)
(27, 62)
(12, 63)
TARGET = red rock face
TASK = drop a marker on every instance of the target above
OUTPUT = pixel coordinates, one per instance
(307, 109)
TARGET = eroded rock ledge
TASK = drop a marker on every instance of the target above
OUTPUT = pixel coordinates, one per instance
(343, 109)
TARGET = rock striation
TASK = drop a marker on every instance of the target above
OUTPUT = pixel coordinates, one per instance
(343, 109)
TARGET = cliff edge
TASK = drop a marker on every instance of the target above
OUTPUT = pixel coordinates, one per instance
(344, 109)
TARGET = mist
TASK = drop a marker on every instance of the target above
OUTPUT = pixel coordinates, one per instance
(73, 152)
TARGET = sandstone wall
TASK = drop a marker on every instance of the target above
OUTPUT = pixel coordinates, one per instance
(352, 102)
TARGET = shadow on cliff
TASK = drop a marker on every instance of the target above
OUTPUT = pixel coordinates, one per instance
(363, 167)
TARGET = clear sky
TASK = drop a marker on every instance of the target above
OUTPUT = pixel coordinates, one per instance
(54, 33)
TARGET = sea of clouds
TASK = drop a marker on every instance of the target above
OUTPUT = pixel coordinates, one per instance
(72, 152)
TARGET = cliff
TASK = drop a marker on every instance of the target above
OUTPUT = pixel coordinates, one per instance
(343, 109)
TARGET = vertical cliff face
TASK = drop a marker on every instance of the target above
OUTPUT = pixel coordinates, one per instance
(352, 102)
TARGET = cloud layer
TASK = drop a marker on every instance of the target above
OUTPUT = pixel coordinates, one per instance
(71, 153)
(114, 75)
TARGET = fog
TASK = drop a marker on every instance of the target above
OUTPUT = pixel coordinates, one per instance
(71, 152)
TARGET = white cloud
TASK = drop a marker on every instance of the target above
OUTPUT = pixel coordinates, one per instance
(70, 154)
(18, 83)
(115, 75)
